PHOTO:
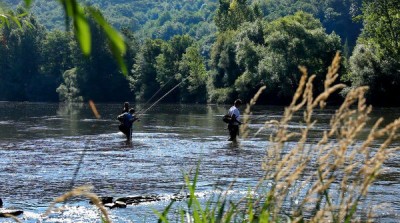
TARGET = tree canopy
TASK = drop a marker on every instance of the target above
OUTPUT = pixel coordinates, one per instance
(211, 51)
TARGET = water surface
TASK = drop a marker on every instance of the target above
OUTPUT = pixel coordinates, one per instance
(47, 148)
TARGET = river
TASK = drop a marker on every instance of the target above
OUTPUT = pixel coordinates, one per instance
(45, 146)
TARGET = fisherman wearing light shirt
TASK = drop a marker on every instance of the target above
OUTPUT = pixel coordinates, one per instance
(233, 126)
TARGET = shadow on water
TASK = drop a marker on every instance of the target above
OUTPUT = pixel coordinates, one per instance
(45, 149)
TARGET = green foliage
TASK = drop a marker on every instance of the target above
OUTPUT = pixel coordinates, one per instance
(98, 75)
(57, 49)
(232, 13)
(262, 53)
(81, 26)
(380, 74)
(255, 46)
(143, 80)
(220, 95)
(10, 16)
(223, 60)
(161, 65)
(28, 2)
(215, 210)
(19, 70)
(115, 40)
(375, 60)
(335, 15)
(381, 27)
(68, 90)
(149, 19)
(250, 51)
(193, 74)
(292, 41)
(181, 63)
(167, 63)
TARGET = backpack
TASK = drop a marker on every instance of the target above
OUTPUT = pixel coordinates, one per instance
(227, 118)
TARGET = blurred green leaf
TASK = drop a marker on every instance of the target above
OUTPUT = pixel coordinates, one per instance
(112, 34)
(118, 56)
(116, 41)
(27, 23)
(82, 30)
(15, 19)
(28, 3)
(4, 19)
(81, 25)
(22, 15)
(68, 7)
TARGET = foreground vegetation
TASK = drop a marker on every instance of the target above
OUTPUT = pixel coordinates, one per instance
(223, 51)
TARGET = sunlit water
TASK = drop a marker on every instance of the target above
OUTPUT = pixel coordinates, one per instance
(46, 149)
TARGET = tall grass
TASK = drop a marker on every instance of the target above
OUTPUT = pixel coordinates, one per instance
(326, 181)
(82, 191)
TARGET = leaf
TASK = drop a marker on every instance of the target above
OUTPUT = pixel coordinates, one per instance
(28, 24)
(163, 216)
(4, 19)
(28, 3)
(13, 18)
(81, 25)
(22, 15)
(116, 41)
(68, 7)
(82, 30)
(120, 60)
(112, 34)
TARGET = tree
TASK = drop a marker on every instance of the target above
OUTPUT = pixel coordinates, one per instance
(269, 53)
(335, 15)
(376, 59)
(224, 68)
(381, 26)
(75, 13)
(193, 74)
(143, 80)
(57, 54)
(231, 13)
(20, 60)
(249, 52)
(68, 91)
(98, 75)
(292, 41)
(167, 64)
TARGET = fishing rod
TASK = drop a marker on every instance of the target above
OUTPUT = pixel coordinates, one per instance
(163, 96)
(145, 104)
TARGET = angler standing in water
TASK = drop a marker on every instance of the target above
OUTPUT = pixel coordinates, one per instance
(127, 119)
(233, 125)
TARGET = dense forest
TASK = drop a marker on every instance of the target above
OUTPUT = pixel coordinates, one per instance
(212, 51)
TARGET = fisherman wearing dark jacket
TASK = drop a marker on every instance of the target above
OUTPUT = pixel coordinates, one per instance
(127, 119)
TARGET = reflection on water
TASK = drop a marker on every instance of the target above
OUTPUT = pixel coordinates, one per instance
(41, 146)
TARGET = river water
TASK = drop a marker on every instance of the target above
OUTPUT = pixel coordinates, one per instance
(46, 148)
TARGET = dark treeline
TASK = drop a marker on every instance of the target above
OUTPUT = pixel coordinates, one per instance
(212, 51)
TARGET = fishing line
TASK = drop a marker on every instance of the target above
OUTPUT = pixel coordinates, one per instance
(145, 104)
(163, 96)
(78, 167)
